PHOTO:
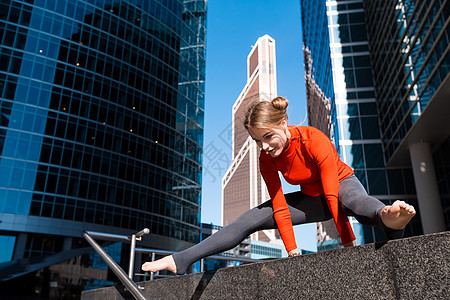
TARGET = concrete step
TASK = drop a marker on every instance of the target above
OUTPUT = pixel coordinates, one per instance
(410, 268)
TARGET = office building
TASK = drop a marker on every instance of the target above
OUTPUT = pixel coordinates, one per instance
(266, 250)
(409, 52)
(338, 69)
(242, 185)
(101, 129)
(321, 104)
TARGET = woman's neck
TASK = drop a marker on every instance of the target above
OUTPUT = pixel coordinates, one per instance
(288, 139)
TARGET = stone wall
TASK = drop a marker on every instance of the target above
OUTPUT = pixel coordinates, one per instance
(411, 268)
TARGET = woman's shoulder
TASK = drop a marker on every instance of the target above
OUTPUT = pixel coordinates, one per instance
(314, 139)
(306, 132)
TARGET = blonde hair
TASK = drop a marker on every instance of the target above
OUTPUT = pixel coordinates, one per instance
(263, 114)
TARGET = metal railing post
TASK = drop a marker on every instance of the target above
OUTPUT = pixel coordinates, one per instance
(153, 259)
(132, 253)
(129, 284)
(133, 238)
(202, 261)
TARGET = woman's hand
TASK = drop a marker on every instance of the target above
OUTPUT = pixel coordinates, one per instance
(294, 252)
(350, 244)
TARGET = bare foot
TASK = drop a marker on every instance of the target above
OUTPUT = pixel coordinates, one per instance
(397, 215)
(165, 263)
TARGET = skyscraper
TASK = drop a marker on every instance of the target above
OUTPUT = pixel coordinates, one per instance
(337, 53)
(359, 133)
(242, 185)
(409, 51)
(318, 75)
(101, 128)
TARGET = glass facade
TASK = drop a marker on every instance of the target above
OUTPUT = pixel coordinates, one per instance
(102, 107)
(266, 251)
(411, 64)
(318, 75)
(359, 131)
(411, 55)
(6, 251)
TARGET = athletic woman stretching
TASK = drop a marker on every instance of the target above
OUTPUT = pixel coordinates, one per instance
(305, 156)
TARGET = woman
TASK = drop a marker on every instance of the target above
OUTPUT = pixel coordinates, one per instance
(329, 189)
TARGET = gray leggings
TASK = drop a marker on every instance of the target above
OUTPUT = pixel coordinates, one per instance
(303, 208)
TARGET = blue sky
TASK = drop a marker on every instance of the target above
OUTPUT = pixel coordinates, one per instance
(233, 27)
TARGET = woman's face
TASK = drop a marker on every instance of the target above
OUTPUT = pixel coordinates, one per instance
(272, 139)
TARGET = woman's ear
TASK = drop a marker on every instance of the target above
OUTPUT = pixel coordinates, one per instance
(284, 123)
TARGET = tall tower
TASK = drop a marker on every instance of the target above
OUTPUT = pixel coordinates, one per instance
(242, 185)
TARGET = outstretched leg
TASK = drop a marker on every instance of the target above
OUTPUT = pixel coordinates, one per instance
(303, 209)
(228, 237)
(370, 211)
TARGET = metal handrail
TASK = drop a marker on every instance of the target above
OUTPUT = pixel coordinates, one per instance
(117, 237)
(120, 273)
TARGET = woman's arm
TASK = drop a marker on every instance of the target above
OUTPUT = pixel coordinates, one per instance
(324, 155)
(280, 209)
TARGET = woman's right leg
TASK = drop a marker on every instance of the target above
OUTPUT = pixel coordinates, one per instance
(370, 211)
(303, 209)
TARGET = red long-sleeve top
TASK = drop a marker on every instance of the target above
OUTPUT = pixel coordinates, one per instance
(312, 162)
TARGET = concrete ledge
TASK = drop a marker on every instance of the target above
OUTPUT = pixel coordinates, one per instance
(411, 268)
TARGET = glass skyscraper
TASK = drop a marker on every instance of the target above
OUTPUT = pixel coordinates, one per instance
(321, 99)
(409, 51)
(102, 108)
(318, 75)
(337, 54)
(360, 139)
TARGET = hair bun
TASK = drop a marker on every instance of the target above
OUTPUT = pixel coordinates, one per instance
(280, 103)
